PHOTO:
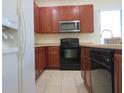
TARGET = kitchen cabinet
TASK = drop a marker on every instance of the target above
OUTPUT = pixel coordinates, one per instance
(49, 19)
(40, 60)
(55, 20)
(69, 12)
(86, 18)
(36, 61)
(82, 63)
(43, 57)
(53, 57)
(118, 71)
(36, 18)
(86, 67)
(45, 19)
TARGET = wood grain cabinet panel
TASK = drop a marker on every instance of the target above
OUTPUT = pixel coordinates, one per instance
(55, 20)
(86, 18)
(69, 12)
(49, 19)
(86, 68)
(36, 61)
(45, 19)
(53, 57)
(40, 60)
(36, 18)
(118, 71)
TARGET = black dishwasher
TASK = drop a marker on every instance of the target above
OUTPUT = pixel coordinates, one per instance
(102, 70)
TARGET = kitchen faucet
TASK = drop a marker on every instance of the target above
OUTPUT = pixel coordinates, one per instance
(107, 31)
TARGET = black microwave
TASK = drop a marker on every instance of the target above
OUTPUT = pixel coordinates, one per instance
(69, 26)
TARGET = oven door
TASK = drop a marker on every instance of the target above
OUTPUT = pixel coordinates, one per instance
(70, 55)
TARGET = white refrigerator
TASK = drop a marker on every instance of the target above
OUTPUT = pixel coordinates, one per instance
(18, 42)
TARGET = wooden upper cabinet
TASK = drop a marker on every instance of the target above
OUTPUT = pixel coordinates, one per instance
(36, 18)
(118, 71)
(49, 19)
(55, 19)
(45, 19)
(86, 18)
(69, 12)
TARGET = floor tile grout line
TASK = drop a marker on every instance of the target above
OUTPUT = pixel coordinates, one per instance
(62, 73)
(76, 83)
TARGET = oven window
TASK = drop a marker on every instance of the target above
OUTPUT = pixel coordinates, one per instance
(70, 53)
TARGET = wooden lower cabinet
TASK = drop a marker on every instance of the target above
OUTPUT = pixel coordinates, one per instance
(43, 57)
(40, 60)
(36, 61)
(87, 74)
(86, 68)
(118, 71)
(53, 57)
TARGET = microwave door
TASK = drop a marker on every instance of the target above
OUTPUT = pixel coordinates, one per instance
(67, 26)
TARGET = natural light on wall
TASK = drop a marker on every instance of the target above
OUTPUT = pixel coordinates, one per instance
(110, 20)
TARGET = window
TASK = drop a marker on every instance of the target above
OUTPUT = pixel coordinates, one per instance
(111, 22)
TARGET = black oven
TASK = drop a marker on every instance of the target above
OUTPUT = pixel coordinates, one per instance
(102, 70)
(70, 54)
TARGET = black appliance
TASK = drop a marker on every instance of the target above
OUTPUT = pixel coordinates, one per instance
(70, 54)
(102, 70)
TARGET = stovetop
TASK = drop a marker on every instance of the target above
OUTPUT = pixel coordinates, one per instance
(73, 42)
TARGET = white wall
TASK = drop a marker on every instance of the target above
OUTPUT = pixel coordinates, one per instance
(91, 37)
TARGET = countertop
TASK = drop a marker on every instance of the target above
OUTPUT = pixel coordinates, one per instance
(46, 44)
(106, 46)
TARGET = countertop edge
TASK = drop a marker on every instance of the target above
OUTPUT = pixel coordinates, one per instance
(114, 47)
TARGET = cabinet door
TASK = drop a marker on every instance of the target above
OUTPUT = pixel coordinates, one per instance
(55, 19)
(118, 71)
(36, 61)
(87, 74)
(40, 64)
(45, 19)
(69, 12)
(86, 67)
(43, 57)
(36, 18)
(86, 18)
(82, 63)
(53, 57)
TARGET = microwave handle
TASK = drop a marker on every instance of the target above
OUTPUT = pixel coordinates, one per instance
(76, 25)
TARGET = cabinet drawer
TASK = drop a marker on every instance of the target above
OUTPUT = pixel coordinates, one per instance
(53, 48)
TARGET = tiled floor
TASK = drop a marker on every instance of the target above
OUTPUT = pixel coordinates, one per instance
(60, 81)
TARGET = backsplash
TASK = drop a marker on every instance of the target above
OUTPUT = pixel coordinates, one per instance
(55, 38)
